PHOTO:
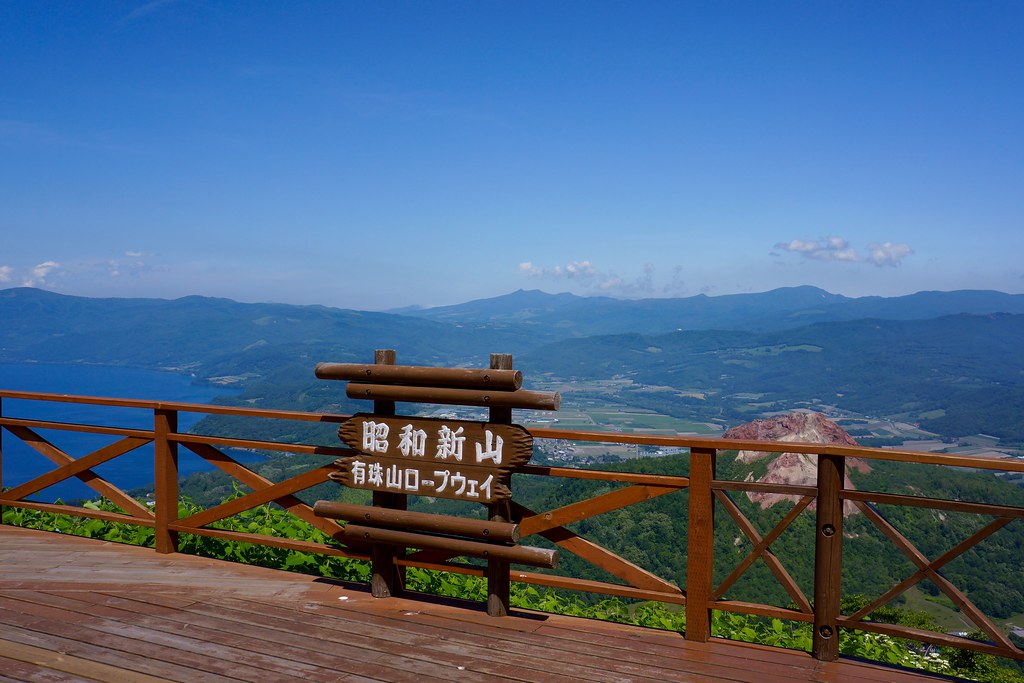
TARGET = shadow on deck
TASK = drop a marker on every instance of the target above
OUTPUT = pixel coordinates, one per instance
(81, 609)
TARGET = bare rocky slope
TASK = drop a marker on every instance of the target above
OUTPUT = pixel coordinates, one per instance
(792, 468)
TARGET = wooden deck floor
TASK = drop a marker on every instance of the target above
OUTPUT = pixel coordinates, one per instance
(76, 609)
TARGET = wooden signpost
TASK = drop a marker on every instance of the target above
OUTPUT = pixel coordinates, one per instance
(398, 456)
(441, 458)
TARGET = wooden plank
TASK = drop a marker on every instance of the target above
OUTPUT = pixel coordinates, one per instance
(486, 530)
(357, 552)
(78, 511)
(464, 378)
(73, 427)
(385, 632)
(530, 400)
(484, 643)
(230, 442)
(76, 666)
(672, 596)
(122, 622)
(943, 639)
(934, 503)
(714, 443)
(498, 574)
(756, 486)
(14, 671)
(85, 645)
(519, 554)
(171, 405)
(758, 609)
(243, 630)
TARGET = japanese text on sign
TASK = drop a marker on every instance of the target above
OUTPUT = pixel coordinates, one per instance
(422, 456)
(413, 442)
(395, 478)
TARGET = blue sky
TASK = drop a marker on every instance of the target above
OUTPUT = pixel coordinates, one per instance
(382, 154)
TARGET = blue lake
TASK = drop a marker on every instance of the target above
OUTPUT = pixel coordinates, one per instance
(21, 462)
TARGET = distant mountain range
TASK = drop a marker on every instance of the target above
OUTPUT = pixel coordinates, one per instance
(563, 315)
(43, 325)
(950, 360)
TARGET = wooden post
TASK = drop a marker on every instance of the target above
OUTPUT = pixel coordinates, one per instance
(700, 552)
(165, 484)
(498, 570)
(1, 459)
(386, 580)
(828, 557)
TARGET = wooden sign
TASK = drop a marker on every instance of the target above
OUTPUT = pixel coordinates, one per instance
(429, 457)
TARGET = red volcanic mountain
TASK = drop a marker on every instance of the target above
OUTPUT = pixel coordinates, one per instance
(793, 468)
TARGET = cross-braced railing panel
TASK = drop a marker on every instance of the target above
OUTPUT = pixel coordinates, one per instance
(762, 550)
(637, 582)
(929, 569)
(81, 468)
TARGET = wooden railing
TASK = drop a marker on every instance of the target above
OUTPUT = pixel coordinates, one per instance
(706, 496)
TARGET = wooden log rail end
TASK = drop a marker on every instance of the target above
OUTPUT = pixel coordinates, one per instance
(531, 400)
(463, 537)
(464, 378)
(481, 529)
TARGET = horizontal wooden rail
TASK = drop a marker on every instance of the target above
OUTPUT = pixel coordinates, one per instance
(519, 554)
(180, 407)
(532, 400)
(250, 444)
(72, 427)
(465, 378)
(78, 511)
(484, 529)
(691, 442)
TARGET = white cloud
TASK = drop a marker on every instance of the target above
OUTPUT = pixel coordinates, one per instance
(45, 268)
(591, 279)
(134, 266)
(40, 273)
(887, 253)
(581, 271)
(5, 273)
(575, 269)
(835, 248)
